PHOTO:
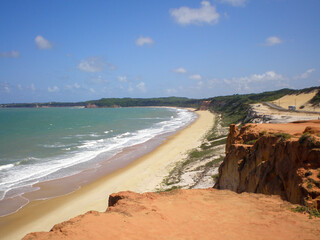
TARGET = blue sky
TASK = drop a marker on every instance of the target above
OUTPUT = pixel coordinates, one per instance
(81, 50)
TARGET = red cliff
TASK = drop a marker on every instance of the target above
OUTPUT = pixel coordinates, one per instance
(281, 159)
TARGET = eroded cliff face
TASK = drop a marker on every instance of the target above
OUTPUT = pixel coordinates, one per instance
(281, 159)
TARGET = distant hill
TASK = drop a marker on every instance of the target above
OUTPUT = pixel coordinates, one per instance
(233, 107)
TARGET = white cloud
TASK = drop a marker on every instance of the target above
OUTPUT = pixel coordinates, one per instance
(235, 3)
(42, 43)
(144, 40)
(94, 64)
(179, 70)
(11, 54)
(19, 86)
(305, 75)
(142, 87)
(257, 81)
(195, 77)
(53, 89)
(171, 91)
(205, 14)
(271, 41)
(32, 87)
(122, 79)
(73, 86)
(92, 90)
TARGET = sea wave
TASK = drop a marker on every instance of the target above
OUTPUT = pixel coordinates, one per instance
(26, 174)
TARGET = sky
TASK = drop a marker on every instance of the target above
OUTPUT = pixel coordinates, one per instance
(76, 50)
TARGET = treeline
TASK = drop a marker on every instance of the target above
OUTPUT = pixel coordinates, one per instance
(144, 102)
(233, 107)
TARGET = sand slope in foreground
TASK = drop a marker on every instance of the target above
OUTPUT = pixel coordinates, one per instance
(189, 214)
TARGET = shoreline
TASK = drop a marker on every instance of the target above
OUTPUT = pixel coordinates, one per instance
(43, 190)
(141, 175)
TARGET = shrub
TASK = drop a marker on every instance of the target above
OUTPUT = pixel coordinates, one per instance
(283, 136)
(303, 209)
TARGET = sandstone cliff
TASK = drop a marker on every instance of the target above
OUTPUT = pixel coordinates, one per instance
(281, 159)
(188, 214)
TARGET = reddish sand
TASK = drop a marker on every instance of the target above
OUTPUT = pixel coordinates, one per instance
(189, 214)
(294, 128)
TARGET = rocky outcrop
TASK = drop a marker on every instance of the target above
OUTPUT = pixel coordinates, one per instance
(188, 214)
(205, 105)
(281, 159)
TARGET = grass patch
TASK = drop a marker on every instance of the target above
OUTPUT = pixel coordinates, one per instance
(303, 209)
(283, 136)
(251, 142)
(309, 139)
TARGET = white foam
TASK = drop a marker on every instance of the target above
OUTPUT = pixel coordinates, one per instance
(25, 175)
(7, 166)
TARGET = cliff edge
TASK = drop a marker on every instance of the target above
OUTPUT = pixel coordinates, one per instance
(281, 159)
(188, 214)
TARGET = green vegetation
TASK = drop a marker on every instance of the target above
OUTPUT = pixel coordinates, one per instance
(308, 139)
(283, 136)
(251, 142)
(234, 107)
(303, 209)
(143, 102)
(214, 143)
(215, 177)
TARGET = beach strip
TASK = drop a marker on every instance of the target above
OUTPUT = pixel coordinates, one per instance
(142, 175)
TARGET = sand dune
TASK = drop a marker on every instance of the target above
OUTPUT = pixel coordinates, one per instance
(298, 100)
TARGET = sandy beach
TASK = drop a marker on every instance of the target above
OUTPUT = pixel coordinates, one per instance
(142, 175)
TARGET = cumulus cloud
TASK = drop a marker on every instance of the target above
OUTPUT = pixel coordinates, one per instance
(73, 86)
(42, 43)
(122, 78)
(144, 41)
(195, 77)
(141, 86)
(205, 14)
(306, 74)
(10, 54)
(53, 89)
(94, 64)
(271, 41)
(179, 70)
(235, 3)
(257, 81)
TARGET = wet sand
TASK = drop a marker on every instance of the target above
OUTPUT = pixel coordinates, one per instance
(142, 175)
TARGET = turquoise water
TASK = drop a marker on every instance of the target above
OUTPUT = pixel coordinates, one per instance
(39, 144)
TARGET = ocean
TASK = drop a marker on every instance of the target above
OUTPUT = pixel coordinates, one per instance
(42, 144)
